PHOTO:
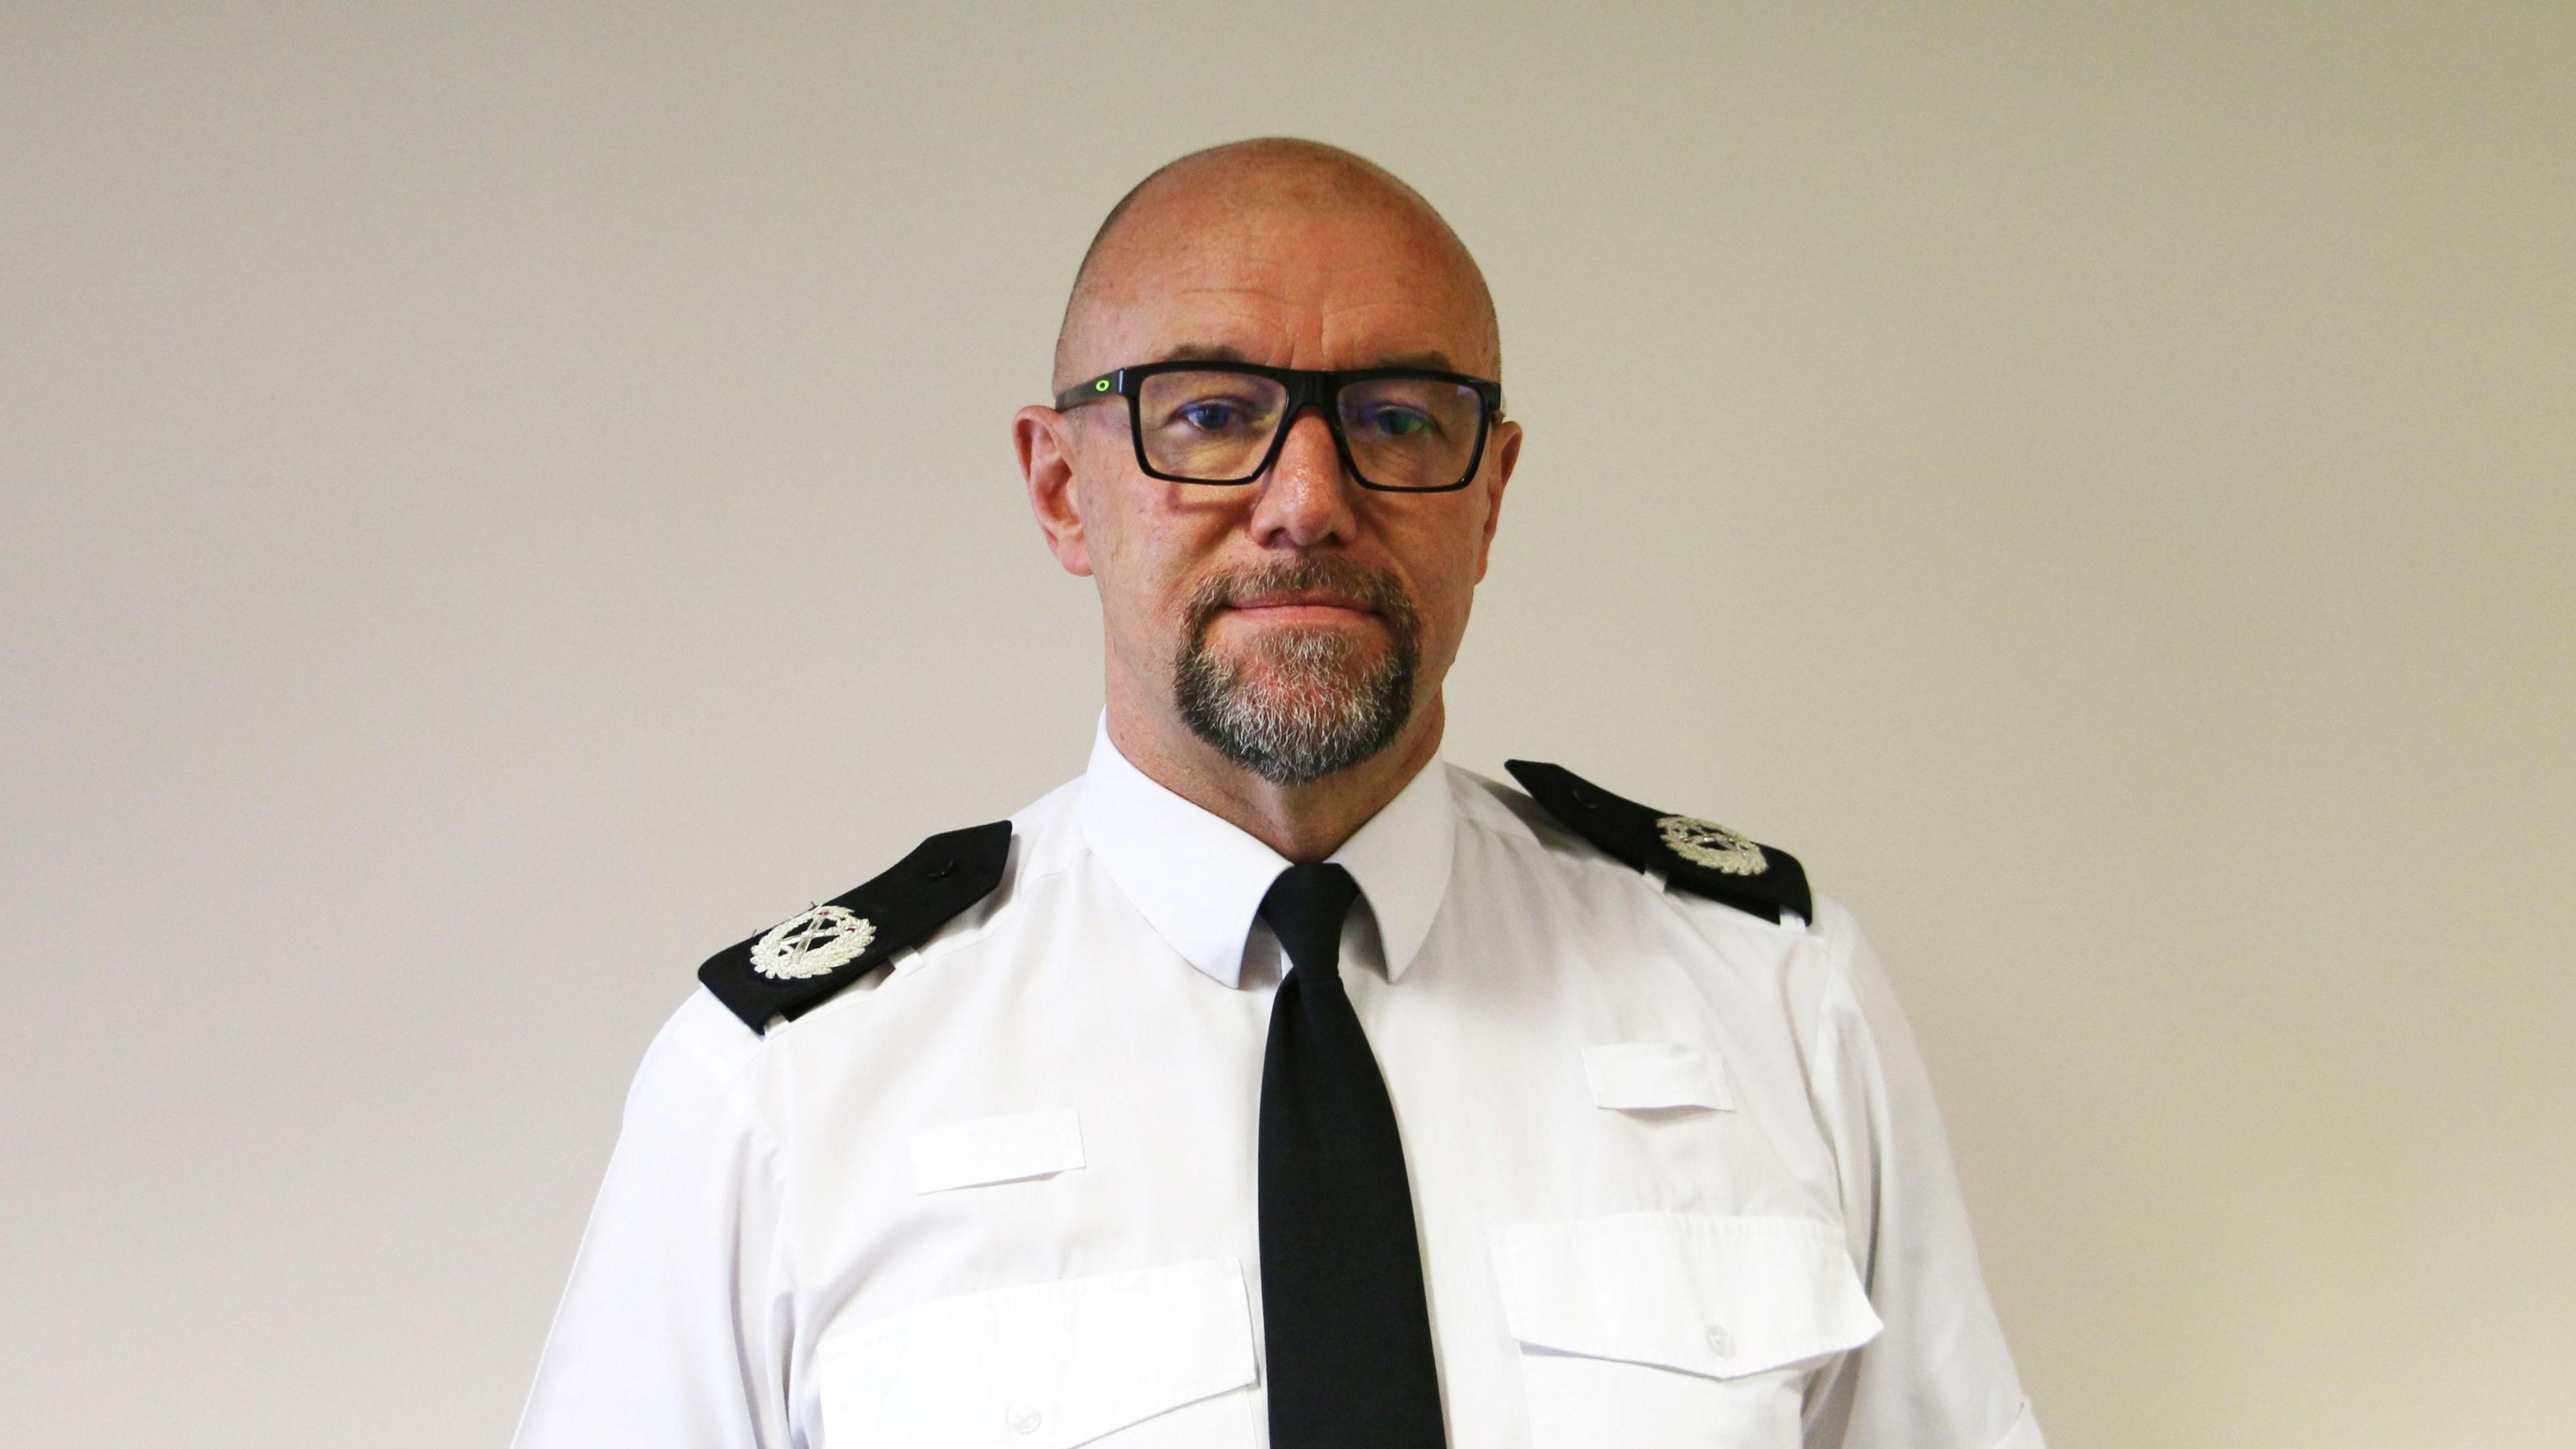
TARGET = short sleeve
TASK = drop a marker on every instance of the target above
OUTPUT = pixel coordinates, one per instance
(1939, 1376)
(675, 1328)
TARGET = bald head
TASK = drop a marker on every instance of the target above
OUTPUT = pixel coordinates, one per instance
(1272, 216)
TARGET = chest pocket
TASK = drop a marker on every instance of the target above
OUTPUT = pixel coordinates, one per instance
(1156, 1359)
(1654, 1329)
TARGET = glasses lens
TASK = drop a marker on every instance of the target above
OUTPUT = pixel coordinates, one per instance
(1411, 432)
(1211, 425)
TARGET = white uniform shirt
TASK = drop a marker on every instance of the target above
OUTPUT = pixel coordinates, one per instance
(1677, 1172)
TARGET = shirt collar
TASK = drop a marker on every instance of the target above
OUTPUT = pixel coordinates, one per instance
(1198, 880)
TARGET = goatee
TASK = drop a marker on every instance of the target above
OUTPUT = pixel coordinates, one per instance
(1305, 703)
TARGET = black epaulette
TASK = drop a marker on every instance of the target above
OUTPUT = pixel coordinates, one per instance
(1699, 856)
(807, 959)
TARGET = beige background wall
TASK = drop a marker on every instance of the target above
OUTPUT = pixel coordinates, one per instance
(498, 501)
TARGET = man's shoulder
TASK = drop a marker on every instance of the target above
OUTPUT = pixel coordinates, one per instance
(792, 967)
(1574, 818)
(952, 883)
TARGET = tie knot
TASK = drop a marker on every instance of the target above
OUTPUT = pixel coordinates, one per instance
(1305, 908)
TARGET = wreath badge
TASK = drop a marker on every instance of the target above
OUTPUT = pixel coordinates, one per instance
(812, 943)
(1705, 842)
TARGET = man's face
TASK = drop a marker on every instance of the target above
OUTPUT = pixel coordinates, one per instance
(1297, 622)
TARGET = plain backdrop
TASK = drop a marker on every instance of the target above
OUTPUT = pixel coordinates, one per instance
(502, 500)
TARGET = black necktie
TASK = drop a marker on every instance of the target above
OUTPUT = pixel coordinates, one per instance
(1347, 1327)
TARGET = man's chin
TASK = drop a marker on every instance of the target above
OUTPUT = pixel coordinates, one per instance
(1239, 634)
(1302, 665)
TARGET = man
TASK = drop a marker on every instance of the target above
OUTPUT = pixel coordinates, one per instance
(1274, 1082)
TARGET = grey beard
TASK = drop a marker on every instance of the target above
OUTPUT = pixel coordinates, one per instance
(1300, 711)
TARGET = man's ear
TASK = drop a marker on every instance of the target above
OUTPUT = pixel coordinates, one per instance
(1503, 455)
(1044, 438)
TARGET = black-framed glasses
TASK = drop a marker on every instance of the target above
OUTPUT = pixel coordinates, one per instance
(1398, 429)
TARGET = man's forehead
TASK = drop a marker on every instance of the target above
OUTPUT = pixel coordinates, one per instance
(1370, 290)
(1286, 336)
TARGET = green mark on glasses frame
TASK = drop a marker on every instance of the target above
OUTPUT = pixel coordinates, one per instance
(1101, 385)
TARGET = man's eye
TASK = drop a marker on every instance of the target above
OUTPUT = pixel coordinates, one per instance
(1212, 417)
(1397, 422)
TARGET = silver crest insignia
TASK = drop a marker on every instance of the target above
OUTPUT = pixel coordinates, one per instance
(812, 943)
(1705, 842)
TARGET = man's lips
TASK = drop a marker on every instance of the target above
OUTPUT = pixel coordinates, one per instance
(1299, 606)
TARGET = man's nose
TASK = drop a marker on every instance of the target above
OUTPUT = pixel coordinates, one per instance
(1307, 497)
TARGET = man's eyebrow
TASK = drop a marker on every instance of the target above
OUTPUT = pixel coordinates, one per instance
(1203, 352)
(1434, 360)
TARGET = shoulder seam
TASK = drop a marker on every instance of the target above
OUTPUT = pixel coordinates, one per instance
(729, 1083)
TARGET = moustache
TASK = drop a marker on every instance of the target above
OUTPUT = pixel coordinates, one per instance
(1373, 589)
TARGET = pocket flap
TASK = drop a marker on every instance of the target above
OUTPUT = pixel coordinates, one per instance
(996, 1149)
(1644, 1076)
(1711, 1295)
(1041, 1366)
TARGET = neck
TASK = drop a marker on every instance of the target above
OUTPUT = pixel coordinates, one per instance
(1304, 823)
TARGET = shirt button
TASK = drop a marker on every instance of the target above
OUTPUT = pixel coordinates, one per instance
(1025, 1419)
(1721, 1342)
